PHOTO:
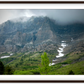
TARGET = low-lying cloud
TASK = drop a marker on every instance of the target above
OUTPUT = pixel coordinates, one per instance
(62, 16)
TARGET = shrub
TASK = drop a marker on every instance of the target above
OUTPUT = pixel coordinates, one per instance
(1, 68)
(71, 72)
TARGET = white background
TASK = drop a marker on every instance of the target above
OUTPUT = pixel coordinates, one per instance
(41, 6)
(41, 0)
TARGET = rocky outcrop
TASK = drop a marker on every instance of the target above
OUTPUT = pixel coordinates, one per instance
(36, 33)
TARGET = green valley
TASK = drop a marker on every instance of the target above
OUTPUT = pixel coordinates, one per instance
(28, 63)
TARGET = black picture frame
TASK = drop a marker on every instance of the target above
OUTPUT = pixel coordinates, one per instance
(41, 81)
(41, 2)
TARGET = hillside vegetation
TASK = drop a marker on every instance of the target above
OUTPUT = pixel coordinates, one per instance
(28, 64)
(30, 39)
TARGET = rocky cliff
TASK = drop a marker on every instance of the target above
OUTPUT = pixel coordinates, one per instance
(36, 33)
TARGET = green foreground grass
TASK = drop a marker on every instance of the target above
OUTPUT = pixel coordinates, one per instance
(28, 64)
(77, 68)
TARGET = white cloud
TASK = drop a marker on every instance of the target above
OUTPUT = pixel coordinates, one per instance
(62, 16)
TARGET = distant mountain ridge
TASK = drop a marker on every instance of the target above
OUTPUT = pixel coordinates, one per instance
(35, 33)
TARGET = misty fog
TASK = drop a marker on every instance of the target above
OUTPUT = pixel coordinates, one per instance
(62, 16)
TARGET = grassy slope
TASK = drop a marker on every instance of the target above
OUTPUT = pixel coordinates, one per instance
(73, 62)
(77, 68)
(25, 61)
(27, 64)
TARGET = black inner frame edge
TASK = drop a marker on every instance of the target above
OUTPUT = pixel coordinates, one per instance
(41, 2)
(41, 81)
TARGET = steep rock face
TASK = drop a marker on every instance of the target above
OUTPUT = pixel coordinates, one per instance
(18, 35)
(35, 33)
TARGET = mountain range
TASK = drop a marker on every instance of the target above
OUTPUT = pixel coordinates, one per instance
(38, 34)
(23, 40)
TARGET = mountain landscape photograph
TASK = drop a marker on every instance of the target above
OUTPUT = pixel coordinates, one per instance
(42, 42)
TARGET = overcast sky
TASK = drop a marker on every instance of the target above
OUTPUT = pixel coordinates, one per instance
(62, 16)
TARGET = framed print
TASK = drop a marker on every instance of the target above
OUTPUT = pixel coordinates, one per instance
(41, 41)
